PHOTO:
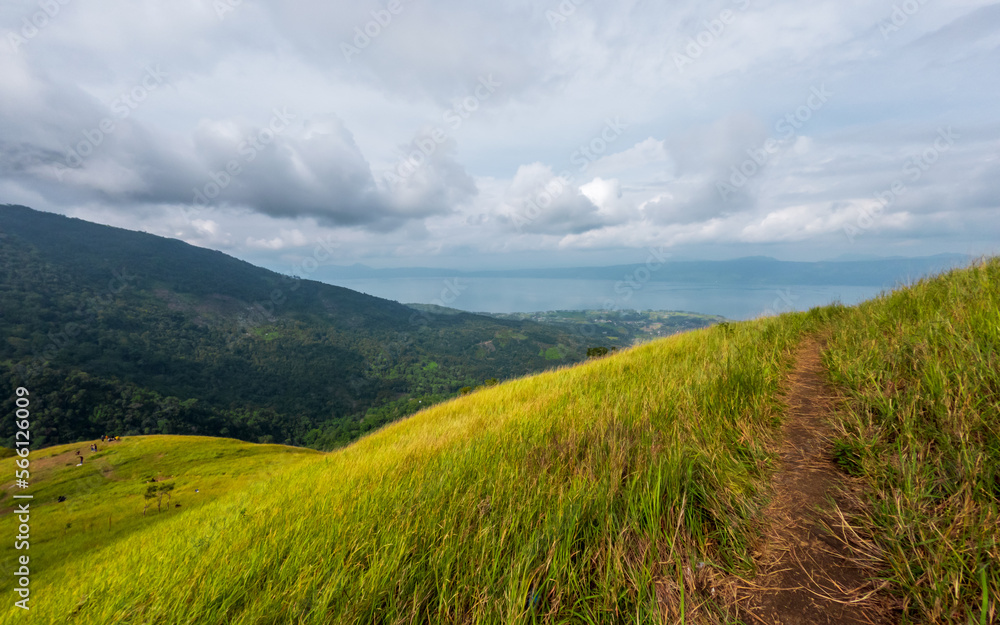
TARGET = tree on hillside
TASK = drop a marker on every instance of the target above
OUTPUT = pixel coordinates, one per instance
(149, 496)
(157, 491)
(165, 489)
(596, 352)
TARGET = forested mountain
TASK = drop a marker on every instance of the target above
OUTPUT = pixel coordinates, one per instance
(122, 332)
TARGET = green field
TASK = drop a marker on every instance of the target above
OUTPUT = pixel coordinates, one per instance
(627, 489)
(104, 499)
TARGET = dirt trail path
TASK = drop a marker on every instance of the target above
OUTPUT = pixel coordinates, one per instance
(804, 575)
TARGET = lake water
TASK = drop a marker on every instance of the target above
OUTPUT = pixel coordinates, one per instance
(505, 295)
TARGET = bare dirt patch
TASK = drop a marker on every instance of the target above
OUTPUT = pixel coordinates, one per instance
(806, 573)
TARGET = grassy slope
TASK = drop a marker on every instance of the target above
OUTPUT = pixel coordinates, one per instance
(104, 497)
(921, 368)
(589, 494)
(592, 494)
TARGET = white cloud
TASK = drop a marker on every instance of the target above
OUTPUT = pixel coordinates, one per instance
(603, 193)
(286, 239)
(477, 192)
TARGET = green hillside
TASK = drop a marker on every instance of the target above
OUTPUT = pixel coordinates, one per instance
(627, 489)
(127, 333)
(101, 496)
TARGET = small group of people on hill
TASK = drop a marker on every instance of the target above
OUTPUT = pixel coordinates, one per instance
(93, 446)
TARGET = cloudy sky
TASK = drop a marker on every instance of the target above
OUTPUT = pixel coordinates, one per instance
(484, 134)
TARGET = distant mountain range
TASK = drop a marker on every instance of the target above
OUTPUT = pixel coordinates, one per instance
(751, 271)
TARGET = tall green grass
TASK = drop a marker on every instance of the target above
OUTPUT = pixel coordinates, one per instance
(619, 491)
(103, 499)
(921, 368)
(624, 490)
